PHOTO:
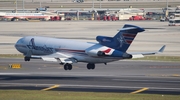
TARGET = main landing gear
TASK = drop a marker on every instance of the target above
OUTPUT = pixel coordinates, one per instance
(67, 66)
(90, 66)
(26, 58)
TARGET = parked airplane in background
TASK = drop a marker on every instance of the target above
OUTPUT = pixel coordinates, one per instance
(67, 52)
(14, 16)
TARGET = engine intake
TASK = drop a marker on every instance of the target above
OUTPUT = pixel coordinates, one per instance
(95, 53)
(127, 56)
(100, 53)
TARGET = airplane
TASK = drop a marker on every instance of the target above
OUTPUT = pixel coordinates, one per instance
(14, 16)
(67, 51)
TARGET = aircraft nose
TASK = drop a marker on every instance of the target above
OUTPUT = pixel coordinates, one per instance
(19, 44)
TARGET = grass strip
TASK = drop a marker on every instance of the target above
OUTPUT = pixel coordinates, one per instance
(61, 95)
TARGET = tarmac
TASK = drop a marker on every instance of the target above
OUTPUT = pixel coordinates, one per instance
(156, 35)
(121, 76)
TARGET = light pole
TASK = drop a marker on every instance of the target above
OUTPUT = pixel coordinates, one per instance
(40, 4)
(167, 13)
(99, 3)
(16, 6)
(23, 6)
(167, 4)
(93, 4)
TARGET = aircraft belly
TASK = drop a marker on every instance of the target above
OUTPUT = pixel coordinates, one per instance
(89, 59)
(99, 60)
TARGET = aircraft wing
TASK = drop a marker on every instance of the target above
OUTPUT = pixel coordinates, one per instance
(141, 54)
(56, 57)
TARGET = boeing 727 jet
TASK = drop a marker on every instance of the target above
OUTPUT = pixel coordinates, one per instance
(67, 52)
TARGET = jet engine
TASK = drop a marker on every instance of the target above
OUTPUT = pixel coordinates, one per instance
(104, 39)
(95, 53)
(127, 56)
(120, 54)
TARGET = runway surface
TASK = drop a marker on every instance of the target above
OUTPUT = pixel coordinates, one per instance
(156, 35)
(121, 76)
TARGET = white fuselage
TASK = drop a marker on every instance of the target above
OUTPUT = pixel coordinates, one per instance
(22, 15)
(71, 48)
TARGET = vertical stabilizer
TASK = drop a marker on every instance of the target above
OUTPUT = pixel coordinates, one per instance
(123, 39)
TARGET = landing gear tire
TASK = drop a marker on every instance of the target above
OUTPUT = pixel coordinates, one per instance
(26, 58)
(67, 67)
(90, 66)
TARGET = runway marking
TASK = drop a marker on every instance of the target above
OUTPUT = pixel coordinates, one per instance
(52, 87)
(15, 73)
(176, 75)
(88, 86)
(164, 67)
(140, 90)
(163, 75)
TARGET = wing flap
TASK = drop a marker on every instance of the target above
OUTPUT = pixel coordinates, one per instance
(49, 59)
(68, 60)
(63, 58)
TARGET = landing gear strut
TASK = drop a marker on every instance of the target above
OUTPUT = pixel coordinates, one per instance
(26, 58)
(67, 67)
(90, 66)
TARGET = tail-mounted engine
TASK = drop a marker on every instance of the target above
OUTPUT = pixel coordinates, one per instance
(95, 53)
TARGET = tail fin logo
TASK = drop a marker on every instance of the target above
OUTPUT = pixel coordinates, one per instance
(121, 41)
(125, 38)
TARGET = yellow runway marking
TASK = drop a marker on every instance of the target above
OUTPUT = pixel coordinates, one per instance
(176, 75)
(143, 89)
(49, 88)
(163, 75)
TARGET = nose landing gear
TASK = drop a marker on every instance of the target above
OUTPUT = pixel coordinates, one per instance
(26, 58)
